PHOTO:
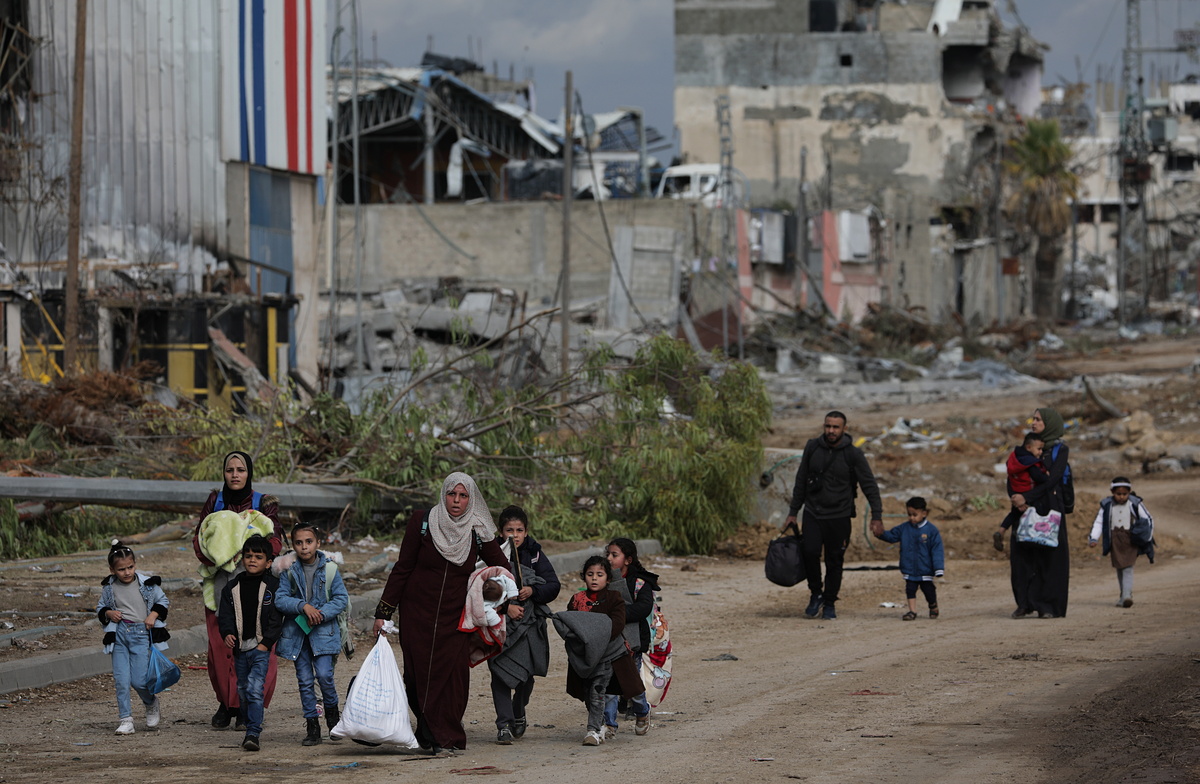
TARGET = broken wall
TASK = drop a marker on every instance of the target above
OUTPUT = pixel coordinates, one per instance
(518, 245)
(870, 108)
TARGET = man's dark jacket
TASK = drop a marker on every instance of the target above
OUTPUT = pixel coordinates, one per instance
(839, 467)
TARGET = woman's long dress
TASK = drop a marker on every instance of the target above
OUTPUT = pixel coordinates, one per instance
(1041, 575)
(430, 593)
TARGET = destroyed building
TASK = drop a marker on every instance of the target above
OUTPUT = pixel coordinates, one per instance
(895, 113)
(1157, 275)
(204, 133)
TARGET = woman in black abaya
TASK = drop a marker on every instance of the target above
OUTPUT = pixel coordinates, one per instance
(1041, 575)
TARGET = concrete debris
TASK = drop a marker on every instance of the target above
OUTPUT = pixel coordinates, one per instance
(1166, 465)
(377, 564)
(991, 373)
(1050, 342)
(1131, 428)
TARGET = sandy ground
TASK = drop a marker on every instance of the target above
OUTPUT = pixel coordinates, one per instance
(1103, 695)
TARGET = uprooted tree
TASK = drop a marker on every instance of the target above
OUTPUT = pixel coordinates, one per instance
(665, 445)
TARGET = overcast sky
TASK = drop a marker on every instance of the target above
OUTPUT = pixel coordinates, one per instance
(621, 51)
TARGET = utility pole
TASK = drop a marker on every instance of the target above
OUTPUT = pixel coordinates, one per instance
(1132, 143)
(997, 199)
(568, 196)
(359, 339)
(728, 206)
(75, 194)
(802, 217)
(331, 195)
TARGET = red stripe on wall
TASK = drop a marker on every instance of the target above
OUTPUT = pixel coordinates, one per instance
(308, 84)
(291, 83)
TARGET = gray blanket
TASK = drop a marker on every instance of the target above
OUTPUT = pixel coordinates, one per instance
(527, 645)
(586, 636)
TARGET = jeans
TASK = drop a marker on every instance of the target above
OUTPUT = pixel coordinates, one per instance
(130, 655)
(510, 704)
(638, 703)
(251, 667)
(309, 667)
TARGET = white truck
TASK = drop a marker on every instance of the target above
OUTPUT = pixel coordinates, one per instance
(701, 182)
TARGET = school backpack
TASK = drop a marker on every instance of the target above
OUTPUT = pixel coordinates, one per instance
(343, 618)
(1068, 484)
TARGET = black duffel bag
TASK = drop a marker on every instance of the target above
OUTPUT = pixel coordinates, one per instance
(785, 565)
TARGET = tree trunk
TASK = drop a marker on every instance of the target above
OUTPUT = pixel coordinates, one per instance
(1047, 300)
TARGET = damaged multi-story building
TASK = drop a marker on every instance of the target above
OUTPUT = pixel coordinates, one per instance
(891, 115)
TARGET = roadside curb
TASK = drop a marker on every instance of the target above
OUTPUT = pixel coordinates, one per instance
(40, 671)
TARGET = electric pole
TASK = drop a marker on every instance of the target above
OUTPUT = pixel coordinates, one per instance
(75, 194)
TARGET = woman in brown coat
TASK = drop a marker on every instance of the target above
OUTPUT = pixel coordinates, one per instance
(428, 586)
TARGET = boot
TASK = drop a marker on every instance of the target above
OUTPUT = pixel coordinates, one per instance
(332, 715)
(314, 732)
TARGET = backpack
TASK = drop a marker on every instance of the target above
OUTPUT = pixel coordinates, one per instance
(1067, 493)
(255, 501)
(343, 618)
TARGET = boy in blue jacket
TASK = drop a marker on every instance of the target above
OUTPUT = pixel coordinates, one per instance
(921, 555)
(312, 596)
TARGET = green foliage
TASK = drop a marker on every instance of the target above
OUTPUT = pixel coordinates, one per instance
(986, 503)
(684, 478)
(86, 528)
(666, 446)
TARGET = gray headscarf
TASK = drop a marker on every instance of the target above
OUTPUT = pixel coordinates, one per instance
(452, 535)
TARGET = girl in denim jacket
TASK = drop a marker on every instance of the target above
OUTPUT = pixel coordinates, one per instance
(133, 609)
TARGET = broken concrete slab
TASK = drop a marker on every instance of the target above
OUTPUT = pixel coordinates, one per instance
(172, 495)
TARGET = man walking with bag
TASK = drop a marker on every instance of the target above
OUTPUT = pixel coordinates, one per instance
(826, 486)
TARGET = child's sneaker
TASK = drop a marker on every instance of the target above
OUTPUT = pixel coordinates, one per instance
(593, 738)
(152, 714)
(610, 732)
(250, 743)
(642, 725)
(126, 726)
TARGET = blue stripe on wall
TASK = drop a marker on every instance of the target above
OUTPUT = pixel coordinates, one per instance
(258, 19)
(245, 118)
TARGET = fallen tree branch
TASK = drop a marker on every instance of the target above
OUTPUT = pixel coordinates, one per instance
(1105, 406)
(432, 374)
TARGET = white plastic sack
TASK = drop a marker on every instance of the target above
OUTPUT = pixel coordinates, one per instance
(376, 709)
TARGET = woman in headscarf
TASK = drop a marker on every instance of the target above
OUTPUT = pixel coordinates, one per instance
(1040, 574)
(428, 585)
(236, 495)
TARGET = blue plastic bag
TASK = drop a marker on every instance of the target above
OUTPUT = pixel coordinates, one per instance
(161, 672)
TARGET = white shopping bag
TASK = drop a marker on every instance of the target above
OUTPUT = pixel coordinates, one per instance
(376, 709)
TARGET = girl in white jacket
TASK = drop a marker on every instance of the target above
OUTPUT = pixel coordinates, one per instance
(1126, 529)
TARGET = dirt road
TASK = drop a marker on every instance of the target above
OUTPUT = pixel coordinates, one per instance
(1103, 695)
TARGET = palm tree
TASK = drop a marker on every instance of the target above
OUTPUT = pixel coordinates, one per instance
(1043, 187)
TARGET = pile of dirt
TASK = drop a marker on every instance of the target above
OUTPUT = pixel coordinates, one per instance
(88, 409)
